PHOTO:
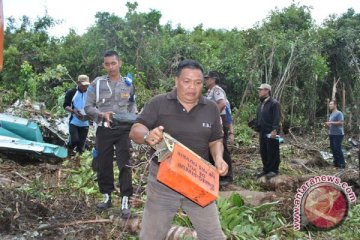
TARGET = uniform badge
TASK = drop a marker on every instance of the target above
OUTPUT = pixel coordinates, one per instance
(125, 95)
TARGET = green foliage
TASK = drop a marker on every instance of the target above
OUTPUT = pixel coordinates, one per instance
(143, 94)
(294, 18)
(55, 81)
(37, 189)
(182, 219)
(300, 60)
(7, 97)
(246, 181)
(28, 78)
(82, 179)
(58, 110)
(243, 133)
(239, 221)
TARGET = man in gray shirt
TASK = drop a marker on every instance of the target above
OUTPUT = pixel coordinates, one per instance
(108, 95)
(336, 134)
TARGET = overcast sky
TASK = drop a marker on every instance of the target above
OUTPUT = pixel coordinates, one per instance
(226, 14)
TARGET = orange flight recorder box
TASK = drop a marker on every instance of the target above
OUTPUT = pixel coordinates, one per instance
(187, 173)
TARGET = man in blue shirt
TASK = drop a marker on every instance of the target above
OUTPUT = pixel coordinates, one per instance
(74, 103)
(336, 134)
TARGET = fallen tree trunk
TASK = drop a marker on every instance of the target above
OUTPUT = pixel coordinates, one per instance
(179, 232)
(283, 183)
(253, 198)
(131, 225)
(280, 183)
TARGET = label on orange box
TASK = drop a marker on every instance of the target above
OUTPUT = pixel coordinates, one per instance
(187, 173)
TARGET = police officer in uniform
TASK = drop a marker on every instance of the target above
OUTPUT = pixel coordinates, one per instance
(218, 95)
(108, 95)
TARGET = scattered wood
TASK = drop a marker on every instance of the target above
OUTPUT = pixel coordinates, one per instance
(25, 178)
(252, 198)
(5, 182)
(334, 90)
(63, 225)
(292, 135)
(179, 232)
(316, 160)
(131, 225)
(283, 183)
(280, 183)
(243, 150)
(349, 175)
(17, 215)
(302, 163)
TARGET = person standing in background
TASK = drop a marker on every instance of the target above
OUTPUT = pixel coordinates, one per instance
(336, 133)
(268, 125)
(74, 103)
(217, 94)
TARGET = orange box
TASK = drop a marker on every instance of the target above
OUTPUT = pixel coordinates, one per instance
(187, 173)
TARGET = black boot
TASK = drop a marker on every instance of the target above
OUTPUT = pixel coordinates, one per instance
(125, 207)
(105, 203)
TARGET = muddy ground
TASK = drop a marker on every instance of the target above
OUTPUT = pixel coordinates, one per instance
(37, 201)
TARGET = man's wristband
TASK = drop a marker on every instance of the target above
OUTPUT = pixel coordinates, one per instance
(146, 136)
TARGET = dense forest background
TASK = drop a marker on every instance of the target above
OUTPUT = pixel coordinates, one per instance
(302, 61)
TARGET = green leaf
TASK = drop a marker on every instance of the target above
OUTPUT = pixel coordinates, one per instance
(236, 200)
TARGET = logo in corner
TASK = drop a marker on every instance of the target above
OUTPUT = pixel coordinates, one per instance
(322, 203)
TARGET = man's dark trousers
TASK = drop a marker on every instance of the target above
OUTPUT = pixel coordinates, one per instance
(106, 140)
(227, 155)
(335, 145)
(270, 153)
(77, 137)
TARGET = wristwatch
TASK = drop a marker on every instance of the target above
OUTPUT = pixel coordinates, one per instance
(146, 136)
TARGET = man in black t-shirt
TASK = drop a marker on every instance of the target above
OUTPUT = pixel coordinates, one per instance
(195, 122)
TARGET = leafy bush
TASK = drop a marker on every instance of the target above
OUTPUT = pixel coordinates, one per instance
(243, 222)
(243, 133)
(82, 179)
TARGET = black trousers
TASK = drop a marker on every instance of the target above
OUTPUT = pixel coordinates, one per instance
(270, 153)
(226, 154)
(77, 137)
(109, 141)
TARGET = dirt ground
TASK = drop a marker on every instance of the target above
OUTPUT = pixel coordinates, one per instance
(36, 201)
